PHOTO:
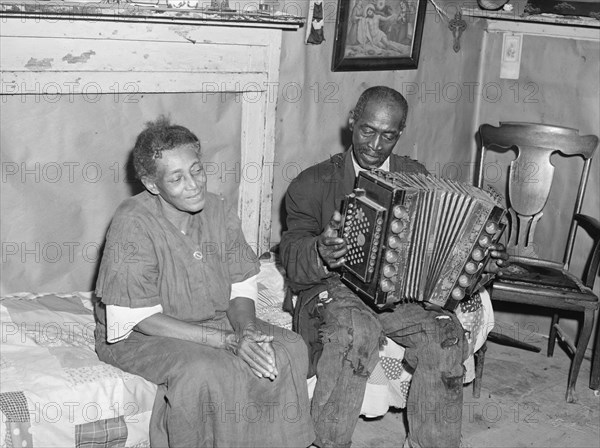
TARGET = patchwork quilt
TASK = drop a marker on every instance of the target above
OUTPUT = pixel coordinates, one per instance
(54, 391)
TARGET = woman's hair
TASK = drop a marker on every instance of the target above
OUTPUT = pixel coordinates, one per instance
(159, 136)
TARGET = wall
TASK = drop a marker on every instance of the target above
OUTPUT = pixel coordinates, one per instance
(65, 169)
(314, 102)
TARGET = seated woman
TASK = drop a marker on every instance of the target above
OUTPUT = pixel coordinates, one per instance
(179, 311)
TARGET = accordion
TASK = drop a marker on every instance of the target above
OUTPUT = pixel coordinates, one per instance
(413, 237)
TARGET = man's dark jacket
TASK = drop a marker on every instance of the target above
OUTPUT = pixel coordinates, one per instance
(310, 202)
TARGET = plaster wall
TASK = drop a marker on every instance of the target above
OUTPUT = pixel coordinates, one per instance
(66, 168)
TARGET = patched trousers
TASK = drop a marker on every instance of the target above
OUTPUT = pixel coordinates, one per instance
(351, 334)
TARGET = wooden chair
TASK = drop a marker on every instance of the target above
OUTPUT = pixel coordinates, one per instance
(531, 280)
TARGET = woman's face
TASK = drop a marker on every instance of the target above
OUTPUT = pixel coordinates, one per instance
(180, 179)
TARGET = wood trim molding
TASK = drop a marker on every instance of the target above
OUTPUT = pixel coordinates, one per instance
(145, 13)
(545, 25)
(544, 30)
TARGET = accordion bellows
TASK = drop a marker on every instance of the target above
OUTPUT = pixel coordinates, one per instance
(417, 238)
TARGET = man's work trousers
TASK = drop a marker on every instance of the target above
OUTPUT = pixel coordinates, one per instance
(351, 334)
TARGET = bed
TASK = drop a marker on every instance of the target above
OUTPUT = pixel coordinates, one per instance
(55, 392)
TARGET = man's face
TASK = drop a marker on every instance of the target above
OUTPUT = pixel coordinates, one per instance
(375, 133)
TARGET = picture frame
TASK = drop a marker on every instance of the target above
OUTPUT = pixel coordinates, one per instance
(378, 35)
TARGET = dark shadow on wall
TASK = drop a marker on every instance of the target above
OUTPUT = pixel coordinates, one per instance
(346, 140)
(135, 187)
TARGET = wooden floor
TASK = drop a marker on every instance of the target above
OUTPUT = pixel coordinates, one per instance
(522, 404)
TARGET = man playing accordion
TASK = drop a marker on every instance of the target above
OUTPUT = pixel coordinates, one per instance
(342, 332)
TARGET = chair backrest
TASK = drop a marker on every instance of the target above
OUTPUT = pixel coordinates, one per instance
(531, 174)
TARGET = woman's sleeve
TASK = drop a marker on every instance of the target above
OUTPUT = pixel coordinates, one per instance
(128, 273)
(247, 288)
(120, 320)
(242, 261)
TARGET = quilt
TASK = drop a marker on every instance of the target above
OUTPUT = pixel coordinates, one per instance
(54, 391)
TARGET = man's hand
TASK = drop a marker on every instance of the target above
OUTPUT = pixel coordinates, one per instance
(256, 350)
(498, 259)
(332, 248)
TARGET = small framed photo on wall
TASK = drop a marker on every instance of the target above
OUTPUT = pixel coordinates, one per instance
(378, 35)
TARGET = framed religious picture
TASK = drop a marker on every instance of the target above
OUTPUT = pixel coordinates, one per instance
(378, 34)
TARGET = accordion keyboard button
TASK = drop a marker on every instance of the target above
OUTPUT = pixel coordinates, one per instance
(491, 228)
(484, 241)
(389, 270)
(458, 293)
(400, 212)
(470, 267)
(464, 281)
(394, 242)
(386, 285)
(477, 255)
(397, 226)
(391, 256)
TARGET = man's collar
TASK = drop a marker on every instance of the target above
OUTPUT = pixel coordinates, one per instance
(385, 166)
